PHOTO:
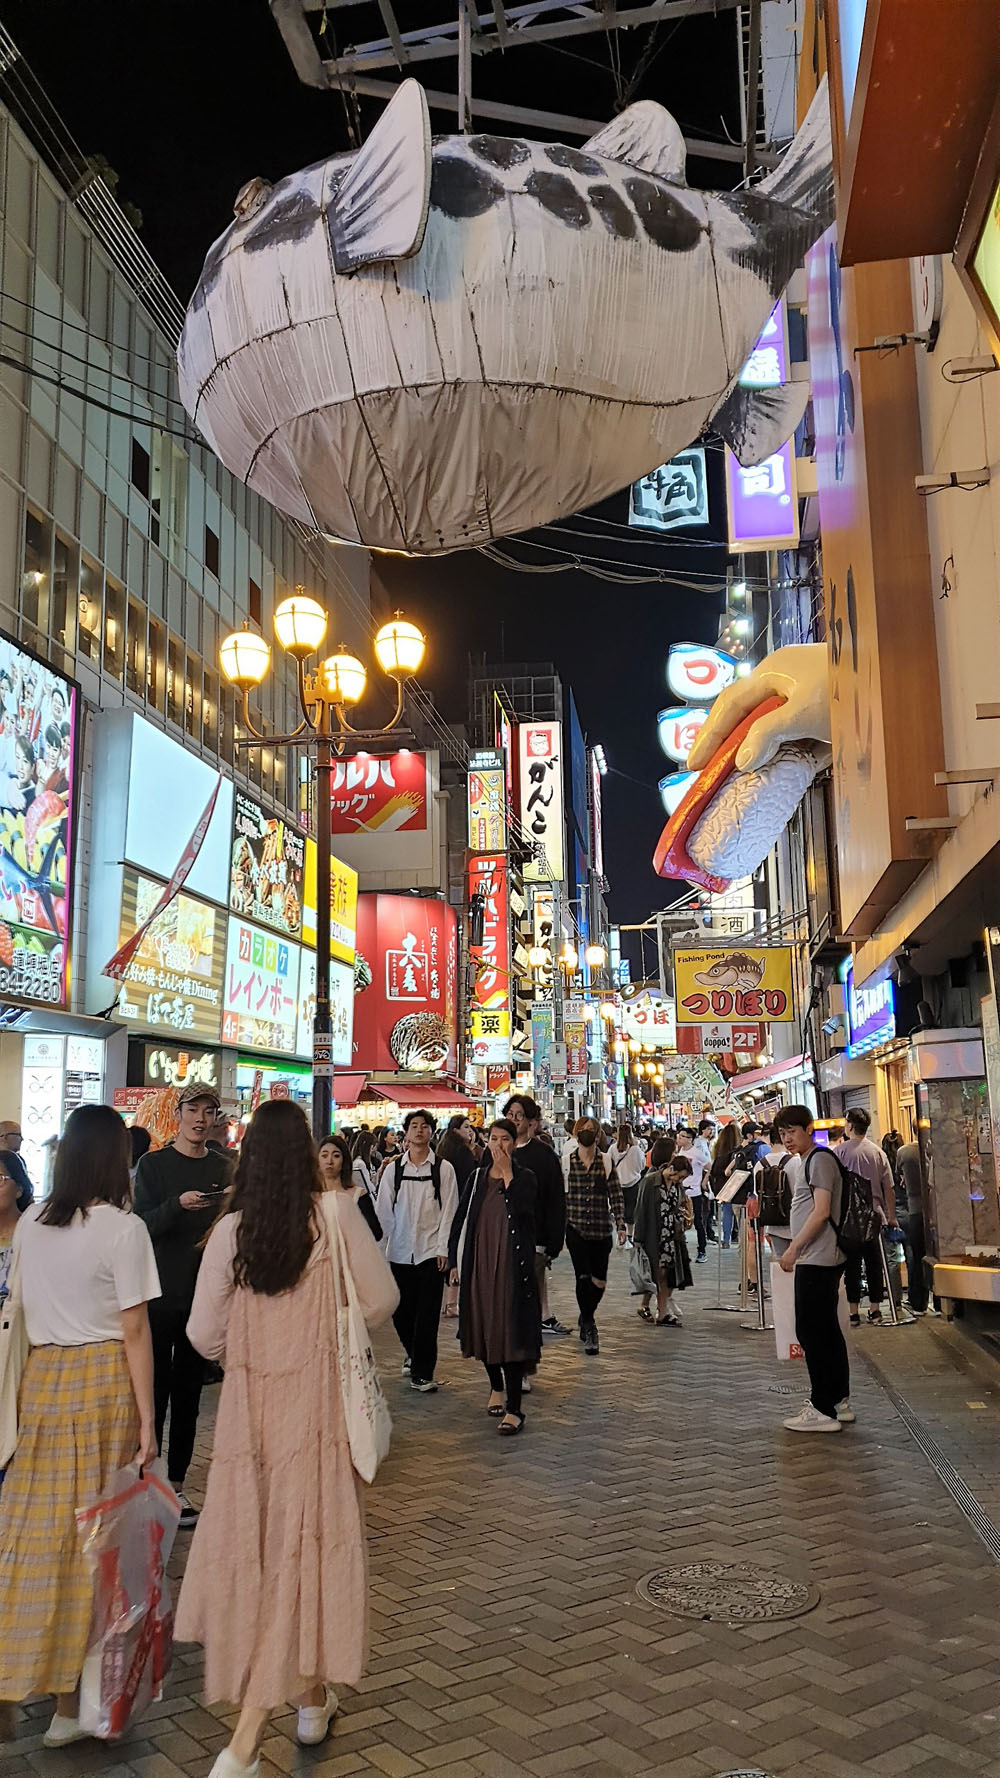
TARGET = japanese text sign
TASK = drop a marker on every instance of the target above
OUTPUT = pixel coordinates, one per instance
(871, 1014)
(491, 959)
(673, 495)
(407, 1016)
(172, 983)
(343, 905)
(268, 862)
(487, 801)
(649, 1017)
(540, 760)
(678, 729)
(762, 500)
(260, 1003)
(697, 672)
(379, 793)
(341, 1010)
(734, 985)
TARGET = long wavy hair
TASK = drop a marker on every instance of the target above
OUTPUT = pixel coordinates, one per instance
(726, 1144)
(277, 1182)
(91, 1165)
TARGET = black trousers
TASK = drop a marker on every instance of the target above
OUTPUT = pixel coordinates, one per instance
(178, 1375)
(702, 1209)
(416, 1320)
(871, 1253)
(819, 1333)
(590, 1261)
(912, 1225)
(507, 1378)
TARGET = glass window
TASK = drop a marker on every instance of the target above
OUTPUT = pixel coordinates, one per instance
(65, 589)
(175, 681)
(36, 578)
(140, 469)
(255, 604)
(135, 648)
(90, 609)
(192, 697)
(211, 551)
(227, 706)
(156, 664)
(114, 628)
(210, 713)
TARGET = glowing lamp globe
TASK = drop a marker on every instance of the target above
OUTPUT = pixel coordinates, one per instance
(344, 678)
(244, 658)
(399, 647)
(609, 1011)
(596, 956)
(568, 958)
(538, 956)
(300, 624)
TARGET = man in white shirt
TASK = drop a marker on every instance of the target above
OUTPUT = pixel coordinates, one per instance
(695, 1151)
(859, 1155)
(416, 1203)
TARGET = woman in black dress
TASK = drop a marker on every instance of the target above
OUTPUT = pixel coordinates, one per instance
(491, 1257)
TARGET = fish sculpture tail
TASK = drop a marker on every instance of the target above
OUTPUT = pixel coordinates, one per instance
(804, 178)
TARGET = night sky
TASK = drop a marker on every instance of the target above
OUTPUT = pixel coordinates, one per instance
(187, 99)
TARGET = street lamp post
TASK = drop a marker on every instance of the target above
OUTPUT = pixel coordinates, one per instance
(325, 695)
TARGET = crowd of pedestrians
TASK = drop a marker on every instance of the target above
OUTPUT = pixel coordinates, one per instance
(143, 1266)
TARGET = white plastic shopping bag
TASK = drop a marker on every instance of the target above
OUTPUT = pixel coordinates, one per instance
(783, 1312)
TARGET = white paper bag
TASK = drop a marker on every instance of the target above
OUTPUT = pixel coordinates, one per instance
(783, 1312)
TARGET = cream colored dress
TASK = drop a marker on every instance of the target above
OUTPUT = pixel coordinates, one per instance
(276, 1580)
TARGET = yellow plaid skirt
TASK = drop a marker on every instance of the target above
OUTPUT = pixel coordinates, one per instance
(77, 1424)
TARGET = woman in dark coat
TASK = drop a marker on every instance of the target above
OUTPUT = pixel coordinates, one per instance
(661, 1215)
(491, 1257)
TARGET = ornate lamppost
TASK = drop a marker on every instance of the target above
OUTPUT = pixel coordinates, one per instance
(326, 693)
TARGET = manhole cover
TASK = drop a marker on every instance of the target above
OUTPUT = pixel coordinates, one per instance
(745, 1772)
(727, 1592)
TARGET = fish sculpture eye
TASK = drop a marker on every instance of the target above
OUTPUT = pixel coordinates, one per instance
(461, 189)
(665, 221)
(560, 197)
(499, 151)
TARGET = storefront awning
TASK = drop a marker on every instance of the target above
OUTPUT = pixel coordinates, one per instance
(444, 1097)
(771, 1071)
(347, 1089)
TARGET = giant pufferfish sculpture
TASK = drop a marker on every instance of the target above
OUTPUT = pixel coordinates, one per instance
(424, 346)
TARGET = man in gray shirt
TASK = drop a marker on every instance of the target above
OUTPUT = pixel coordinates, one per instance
(818, 1265)
(912, 1223)
(861, 1156)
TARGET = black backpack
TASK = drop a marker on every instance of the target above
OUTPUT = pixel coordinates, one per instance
(859, 1221)
(774, 1196)
(435, 1179)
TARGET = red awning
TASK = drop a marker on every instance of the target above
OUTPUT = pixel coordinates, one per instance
(411, 1093)
(772, 1071)
(347, 1089)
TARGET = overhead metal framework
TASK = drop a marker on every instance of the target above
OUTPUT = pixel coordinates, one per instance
(361, 67)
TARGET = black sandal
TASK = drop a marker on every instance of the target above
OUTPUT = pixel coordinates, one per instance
(506, 1431)
(497, 1412)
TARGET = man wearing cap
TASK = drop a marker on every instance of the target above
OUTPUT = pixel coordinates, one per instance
(178, 1193)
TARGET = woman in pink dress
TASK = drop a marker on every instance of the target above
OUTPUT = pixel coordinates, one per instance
(276, 1581)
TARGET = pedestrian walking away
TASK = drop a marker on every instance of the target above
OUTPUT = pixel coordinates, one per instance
(84, 1272)
(910, 1180)
(817, 1262)
(337, 1171)
(593, 1206)
(492, 1259)
(550, 1210)
(416, 1203)
(629, 1156)
(861, 1156)
(275, 1588)
(662, 1216)
(179, 1191)
(723, 1155)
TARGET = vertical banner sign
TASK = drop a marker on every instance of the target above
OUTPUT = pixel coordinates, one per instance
(596, 817)
(487, 801)
(540, 760)
(575, 1035)
(406, 1006)
(122, 957)
(541, 1048)
(762, 501)
(490, 1011)
(543, 914)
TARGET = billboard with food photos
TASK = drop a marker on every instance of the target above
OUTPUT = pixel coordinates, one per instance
(172, 984)
(38, 716)
(406, 976)
(267, 870)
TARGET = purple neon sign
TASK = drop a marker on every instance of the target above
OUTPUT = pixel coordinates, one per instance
(762, 502)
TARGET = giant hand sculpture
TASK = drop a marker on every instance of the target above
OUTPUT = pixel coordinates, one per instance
(765, 740)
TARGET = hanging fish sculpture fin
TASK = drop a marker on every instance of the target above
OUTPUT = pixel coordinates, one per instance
(379, 210)
(804, 178)
(644, 136)
(756, 422)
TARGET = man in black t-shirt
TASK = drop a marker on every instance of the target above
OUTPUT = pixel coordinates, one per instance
(178, 1192)
(543, 1161)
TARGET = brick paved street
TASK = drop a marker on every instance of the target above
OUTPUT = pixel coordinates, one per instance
(508, 1636)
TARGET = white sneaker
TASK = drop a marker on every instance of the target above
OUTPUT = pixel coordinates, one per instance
(228, 1766)
(315, 1719)
(406, 1367)
(845, 1412)
(62, 1730)
(526, 1386)
(810, 1420)
(674, 1309)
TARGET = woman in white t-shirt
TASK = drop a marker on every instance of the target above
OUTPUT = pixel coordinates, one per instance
(84, 1272)
(629, 1156)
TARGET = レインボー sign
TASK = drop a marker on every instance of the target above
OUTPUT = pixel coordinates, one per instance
(734, 985)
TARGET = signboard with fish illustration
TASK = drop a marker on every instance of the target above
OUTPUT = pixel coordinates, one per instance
(385, 344)
(734, 986)
(37, 787)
